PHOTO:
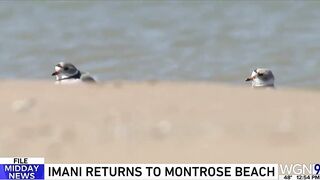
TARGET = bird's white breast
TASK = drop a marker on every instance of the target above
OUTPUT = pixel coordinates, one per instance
(260, 83)
(69, 81)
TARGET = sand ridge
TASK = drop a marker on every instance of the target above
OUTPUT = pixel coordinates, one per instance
(158, 122)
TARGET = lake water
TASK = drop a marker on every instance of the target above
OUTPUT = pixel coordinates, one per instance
(216, 41)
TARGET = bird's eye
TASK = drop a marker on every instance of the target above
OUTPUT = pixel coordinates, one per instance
(66, 68)
(260, 74)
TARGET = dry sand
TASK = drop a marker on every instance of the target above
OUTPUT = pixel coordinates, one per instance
(158, 122)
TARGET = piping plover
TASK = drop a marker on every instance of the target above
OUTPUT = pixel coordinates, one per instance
(67, 73)
(261, 78)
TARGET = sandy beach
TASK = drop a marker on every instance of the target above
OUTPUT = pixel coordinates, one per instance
(158, 122)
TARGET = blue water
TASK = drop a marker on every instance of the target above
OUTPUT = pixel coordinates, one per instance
(218, 41)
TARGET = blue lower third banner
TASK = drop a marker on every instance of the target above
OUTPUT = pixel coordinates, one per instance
(35, 168)
(22, 171)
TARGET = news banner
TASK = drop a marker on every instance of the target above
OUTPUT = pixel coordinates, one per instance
(36, 168)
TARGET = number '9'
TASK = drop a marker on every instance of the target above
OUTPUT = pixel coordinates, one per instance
(317, 168)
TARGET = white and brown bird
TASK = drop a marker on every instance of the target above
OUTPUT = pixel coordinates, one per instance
(67, 73)
(261, 78)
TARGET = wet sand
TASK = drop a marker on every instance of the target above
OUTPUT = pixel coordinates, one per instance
(158, 122)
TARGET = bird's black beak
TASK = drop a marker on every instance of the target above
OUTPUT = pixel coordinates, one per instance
(55, 73)
(249, 79)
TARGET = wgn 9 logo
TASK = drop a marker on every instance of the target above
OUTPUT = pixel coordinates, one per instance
(299, 169)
